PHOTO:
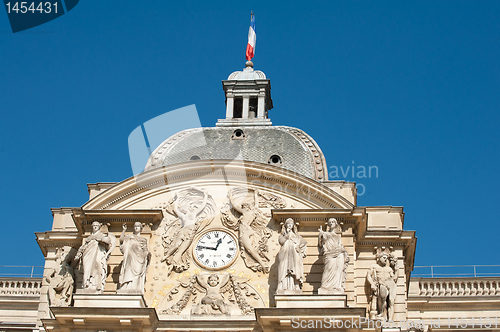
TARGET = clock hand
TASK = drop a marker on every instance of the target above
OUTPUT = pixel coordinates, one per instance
(218, 243)
(203, 247)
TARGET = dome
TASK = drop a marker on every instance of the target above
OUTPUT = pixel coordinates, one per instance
(280, 146)
(247, 74)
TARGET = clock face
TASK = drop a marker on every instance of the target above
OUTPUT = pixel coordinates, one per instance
(216, 250)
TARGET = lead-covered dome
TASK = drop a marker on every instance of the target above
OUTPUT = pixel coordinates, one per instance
(280, 146)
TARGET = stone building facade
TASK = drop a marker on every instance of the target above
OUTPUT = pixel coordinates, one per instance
(212, 206)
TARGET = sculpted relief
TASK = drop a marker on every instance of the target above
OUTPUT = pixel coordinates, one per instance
(242, 214)
(61, 281)
(194, 210)
(241, 241)
(233, 245)
(220, 293)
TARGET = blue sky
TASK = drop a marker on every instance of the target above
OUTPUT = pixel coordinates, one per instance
(409, 87)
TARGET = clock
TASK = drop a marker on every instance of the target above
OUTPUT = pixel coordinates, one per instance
(215, 250)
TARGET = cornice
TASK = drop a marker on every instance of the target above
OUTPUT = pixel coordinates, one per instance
(62, 210)
(57, 239)
(83, 217)
(224, 171)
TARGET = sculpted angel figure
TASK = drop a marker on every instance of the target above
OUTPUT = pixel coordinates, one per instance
(212, 302)
(290, 259)
(94, 254)
(193, 212)
(335, 259)
(61, 282)
(382, 278)
(252, 229)
(136, 258)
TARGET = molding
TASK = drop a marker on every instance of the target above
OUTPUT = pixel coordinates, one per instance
(84, 217)
(100, 185)
(224, 172)
(49, 239)
(279, 319)
(319, 161)
(70, 318)
(62, 210)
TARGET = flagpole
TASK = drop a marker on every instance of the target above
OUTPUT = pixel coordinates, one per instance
(252, 37)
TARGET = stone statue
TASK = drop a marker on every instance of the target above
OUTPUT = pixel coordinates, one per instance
(335, 260)
(94, 254)
(251, 225)
(290, 259)
(194, 209)
(213, 302)
(136, 258)
(61, 281)
(382, 278)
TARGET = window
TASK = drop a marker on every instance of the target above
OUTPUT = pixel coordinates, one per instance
(238, 108)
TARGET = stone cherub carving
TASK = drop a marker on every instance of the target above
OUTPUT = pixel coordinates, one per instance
(382, 278)
(221, 292)
(136, 258)
(251, 225)
(194, 209)
(61, 281)
(94, 254)
(213, 302)
(290, 259)
(335, 259)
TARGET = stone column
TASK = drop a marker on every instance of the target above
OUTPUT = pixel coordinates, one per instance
(246, 103)
(229, 106)
(261, 105)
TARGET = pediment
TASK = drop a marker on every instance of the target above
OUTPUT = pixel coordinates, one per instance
(147, 189)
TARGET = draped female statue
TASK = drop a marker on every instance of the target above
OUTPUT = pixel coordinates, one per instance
(290, 259)
(335, 260)
(94, 254)
(136, 258)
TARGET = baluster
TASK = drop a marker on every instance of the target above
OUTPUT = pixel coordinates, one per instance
(482, 288)
(448, 288)
(488, 287)
(454, 288)
(473, 290)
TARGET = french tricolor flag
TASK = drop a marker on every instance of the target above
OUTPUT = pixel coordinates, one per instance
(251, 38)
